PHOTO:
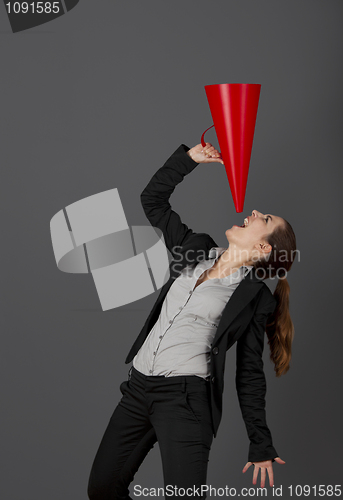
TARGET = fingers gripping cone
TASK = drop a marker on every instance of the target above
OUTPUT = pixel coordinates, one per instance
(234, 109)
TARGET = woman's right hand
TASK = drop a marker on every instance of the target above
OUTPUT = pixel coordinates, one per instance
(205, 155)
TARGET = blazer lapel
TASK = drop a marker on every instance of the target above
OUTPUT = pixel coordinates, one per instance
(244, 293)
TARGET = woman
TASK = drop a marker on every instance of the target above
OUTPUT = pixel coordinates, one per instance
(215, 297)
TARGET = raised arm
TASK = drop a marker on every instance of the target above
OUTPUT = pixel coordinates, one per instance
(251, 385)
(155, 196)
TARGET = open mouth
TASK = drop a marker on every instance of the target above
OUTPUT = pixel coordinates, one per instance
(245, 223)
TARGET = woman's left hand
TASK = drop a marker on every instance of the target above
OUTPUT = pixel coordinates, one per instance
(265, 465)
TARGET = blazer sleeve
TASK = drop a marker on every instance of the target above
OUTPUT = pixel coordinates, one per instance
(251, 386)
(155, 198)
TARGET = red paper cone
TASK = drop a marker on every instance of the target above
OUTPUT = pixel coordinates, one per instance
(234, 108)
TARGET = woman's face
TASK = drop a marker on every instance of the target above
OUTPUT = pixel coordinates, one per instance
(253, 234)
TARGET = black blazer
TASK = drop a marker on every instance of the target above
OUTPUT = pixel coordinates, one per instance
(243, 320)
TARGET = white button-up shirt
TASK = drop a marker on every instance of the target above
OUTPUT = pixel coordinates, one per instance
(180, 341)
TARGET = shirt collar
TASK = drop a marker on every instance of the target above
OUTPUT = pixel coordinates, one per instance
(215, 252)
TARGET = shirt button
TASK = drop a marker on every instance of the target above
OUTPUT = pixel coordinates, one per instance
(215, 350)
(180, 308)
(190, 292)
(160, 337)
(154, 353)
(170, 321)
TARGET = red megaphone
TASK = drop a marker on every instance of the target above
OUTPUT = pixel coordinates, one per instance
(234, 108)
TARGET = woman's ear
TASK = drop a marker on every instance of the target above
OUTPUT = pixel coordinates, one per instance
(263, 247)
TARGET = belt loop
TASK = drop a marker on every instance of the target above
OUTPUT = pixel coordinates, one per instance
(183, 386)
(129, 374)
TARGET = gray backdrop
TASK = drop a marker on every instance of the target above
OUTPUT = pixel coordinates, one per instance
(100, 98)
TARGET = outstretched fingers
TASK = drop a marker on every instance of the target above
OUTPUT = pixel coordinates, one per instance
(265, 465)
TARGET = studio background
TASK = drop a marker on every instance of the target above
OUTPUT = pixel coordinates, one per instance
(99, 99)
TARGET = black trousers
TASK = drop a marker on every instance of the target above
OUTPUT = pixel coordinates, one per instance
(175, 411)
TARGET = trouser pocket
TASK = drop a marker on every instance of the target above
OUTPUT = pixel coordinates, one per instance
(197, 403)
